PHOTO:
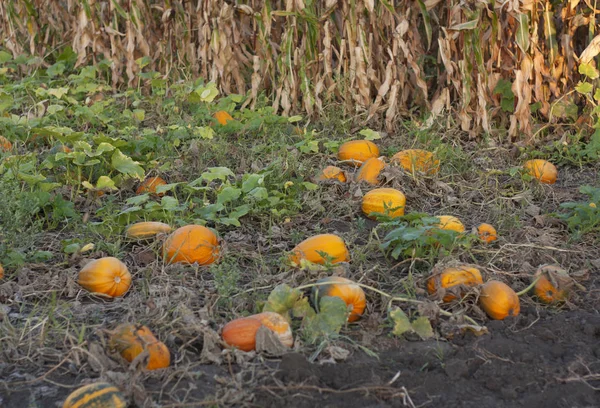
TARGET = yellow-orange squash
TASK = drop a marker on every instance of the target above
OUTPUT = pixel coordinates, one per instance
(370, 170)
(108, 276)
(413, 160)
(310, 249)
(149, 186)
(449, 222)
(352, 294)
(542, 170)
(131, 340)
(241, 333)
(332, 173)
(5, 144)
(553, 285)
(96, 395)
(384, 200)
(191, 244)
(147, 229)
(452, 277)
(487, 233)
(222, 117)
(357, 151)
(498, 300)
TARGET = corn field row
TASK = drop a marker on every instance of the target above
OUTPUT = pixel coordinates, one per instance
(378, 59)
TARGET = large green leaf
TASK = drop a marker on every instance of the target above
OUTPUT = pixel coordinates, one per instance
(127, 165)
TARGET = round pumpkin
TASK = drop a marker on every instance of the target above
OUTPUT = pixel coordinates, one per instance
(192, 244)
(96, 395)
(130, 340)
(449, 222)
(108, 276)
(222, 117)
(357, 151)
(370, 170)
(413, 160)
(542, 170)
(147, 229)
(454, 277)
(487, 233)
(498, 300)
(332, 173)
(553, 285)
(385, 201)
(310, 249)
(241, 333)
(352, 294)
(149, 186)
(5, 144)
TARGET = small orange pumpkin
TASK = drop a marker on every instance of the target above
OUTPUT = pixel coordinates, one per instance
(5, 144)
(1, 271)
(147, 229)
(487, 233)
(384, 200)
(498, 300)
(449, 222)
(553, 285)
(370, 170)
(310, 249)
(107, 275)
(131, 340)
(149, 186)
(192, 244)
(223, 117)
(454, 277)
(241, 333)
(332, 173)
(96, 395)
(413, 160)
(542, 170)
(357, 151)
(352, 294)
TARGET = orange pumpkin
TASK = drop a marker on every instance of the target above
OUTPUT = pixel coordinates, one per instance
(498, 300)
(357, 151)
(96, 395)
(1, 271)
(311, 248)
(222, 117)
(60, 148)
(454, 277)
(413, 160)
(147, 229)
(192, 244)
(385, 201)
(241, 333)
(149, 186)
(487, 233)
(131, 340)
(542, 170)
(352, 294)
(5, 144)
(108, 276)
(332, 173)
(553, 285)
(451, 223)
(370, 170)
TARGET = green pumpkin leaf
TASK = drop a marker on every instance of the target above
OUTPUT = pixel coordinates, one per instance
(422, 326)
(333, 314)
(127, 165)
(401, 322)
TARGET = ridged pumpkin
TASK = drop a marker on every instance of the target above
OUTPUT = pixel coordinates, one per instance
(451, 277)
(147, 229)
(498, 300)
(149, 186)
(352, 294)
(487, 233)
(96, 395)
(330, 244)
(553, 285)
(449, 222)
(370, 170)
(192, 244)
(542, 170)
(332, 173)
(105, 275)
(357, 151)
(130, 340)
(5, 144)
(413, 160)
(384, 200)
(223, 117)
(241, 333)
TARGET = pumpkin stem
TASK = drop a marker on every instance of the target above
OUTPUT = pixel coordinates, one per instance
(528, 288)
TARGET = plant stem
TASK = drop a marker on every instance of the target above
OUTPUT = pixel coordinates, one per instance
(528, 288)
